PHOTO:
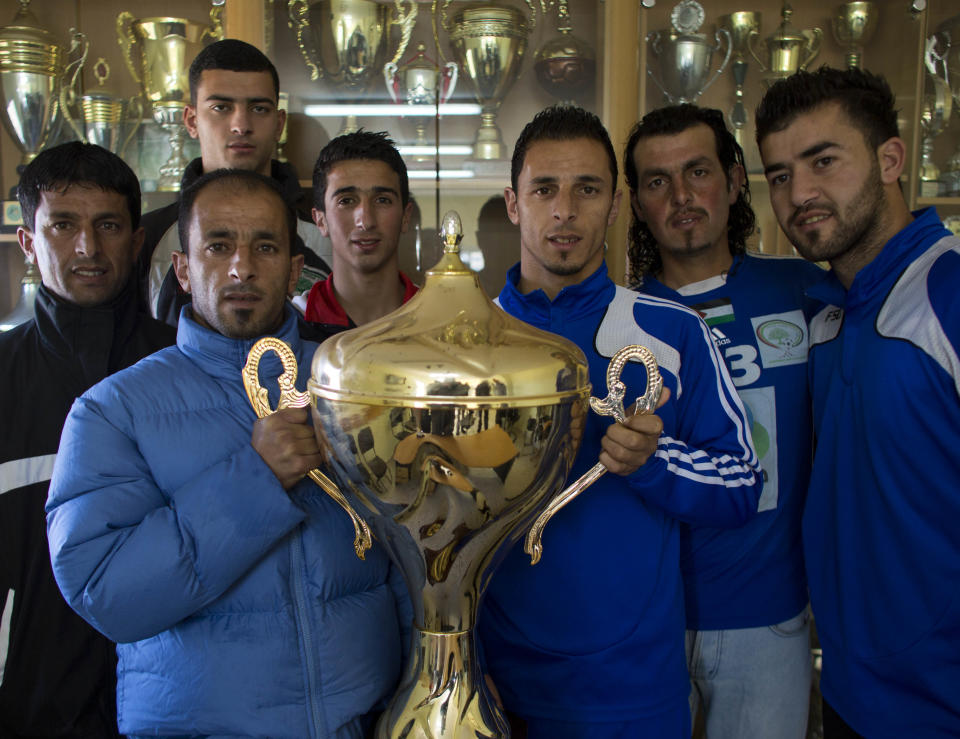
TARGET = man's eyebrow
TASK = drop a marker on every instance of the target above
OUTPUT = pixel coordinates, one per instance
(354, 188)
(659, 171)
(550, 179)
(810, 151)
(219, 232)
(215, 96)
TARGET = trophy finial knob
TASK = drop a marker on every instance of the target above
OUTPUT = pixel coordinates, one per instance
(451, 232)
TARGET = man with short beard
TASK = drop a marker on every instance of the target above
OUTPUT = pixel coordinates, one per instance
(182, 527)
(880, 524)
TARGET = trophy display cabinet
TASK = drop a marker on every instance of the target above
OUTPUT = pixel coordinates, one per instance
(456, 105)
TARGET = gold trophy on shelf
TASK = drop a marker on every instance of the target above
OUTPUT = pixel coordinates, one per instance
(166, 46)
(934, 117)
(344, 42)
(566, 65)
(786, 51)
(742, 26)
(488, 40)
(853, 26)
(449, 428)
(684, 57)
(101, 115)
(32, 63)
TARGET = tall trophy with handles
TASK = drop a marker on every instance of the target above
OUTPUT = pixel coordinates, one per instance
(158, 52)
(787, 50)
(742, 27)
(450, 428)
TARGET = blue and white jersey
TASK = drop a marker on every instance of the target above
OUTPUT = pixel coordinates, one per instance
(758, 315)
(595, 631)
(881, 532)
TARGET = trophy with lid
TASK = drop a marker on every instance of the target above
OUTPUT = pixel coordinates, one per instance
(489, 40)
(421, 81)
(787, 50)
(32, 65)
(344, 42)
(566, 65)
(853, 26)
(99, 115)
(684, 57)
(449, 427)
(165, 48)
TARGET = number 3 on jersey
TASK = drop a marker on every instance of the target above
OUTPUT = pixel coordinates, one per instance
(742, 361)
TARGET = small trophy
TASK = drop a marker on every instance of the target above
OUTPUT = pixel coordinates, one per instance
(787, 51)
(420, 82)
(565, 64)
(742, 26)
(101, 114)
(934, 116)
(684, 57)
(853, 27)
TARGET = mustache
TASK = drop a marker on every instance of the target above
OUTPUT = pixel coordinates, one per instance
(690, 212)
(808, 208)
(235, 291)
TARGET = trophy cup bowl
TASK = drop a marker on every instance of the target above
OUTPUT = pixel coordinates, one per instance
(566, 65)
(31, 66)
(448, 426)
(488, 40)
(684, 61)
(102, 115)
(741, 26)
(166, 48)
(344, 42)
(787, 51)
(853, 26)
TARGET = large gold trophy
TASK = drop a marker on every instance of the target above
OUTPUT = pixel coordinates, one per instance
(853, 26)
(166, 48)
(449, 426)
(344, 42)
(489, 39)
(32, 63)
(787, 50)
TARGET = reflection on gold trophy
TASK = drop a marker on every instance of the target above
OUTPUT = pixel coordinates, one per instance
(449, 426)
(100, 115)
(566, 65)
(742, 27)
(344, 42)
(31, 69)
(786, 51)
(853, 27)
(166, 46)
(489, 40)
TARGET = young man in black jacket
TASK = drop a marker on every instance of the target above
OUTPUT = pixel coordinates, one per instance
(81, 214)
(233, 112)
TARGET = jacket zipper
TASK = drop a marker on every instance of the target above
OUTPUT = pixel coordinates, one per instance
(302, 613)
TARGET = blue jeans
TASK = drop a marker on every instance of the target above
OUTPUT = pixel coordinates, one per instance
(752, 682)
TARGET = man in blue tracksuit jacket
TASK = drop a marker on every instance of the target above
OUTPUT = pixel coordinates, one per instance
(748, 631)
(880, 525)
(228, 580)
(590, 642)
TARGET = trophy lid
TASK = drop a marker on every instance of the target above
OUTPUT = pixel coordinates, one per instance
(25, 42)
(449, 345)
(785, 32)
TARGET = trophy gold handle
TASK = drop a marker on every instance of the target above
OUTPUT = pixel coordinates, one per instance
(726, 59)
(290, 397)
(126, 39)
(612, 405)
(450, 72)
(439, 14)
(299, 13)
(134, 111)
(813, 36)
(406, 21)
(752, 47)
(215, 30)
(69, 90)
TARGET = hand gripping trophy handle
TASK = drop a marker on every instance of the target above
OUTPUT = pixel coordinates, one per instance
(290, 397)
(612, 405)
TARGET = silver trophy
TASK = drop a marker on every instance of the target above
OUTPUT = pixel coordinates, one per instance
(683, 56)
(946, 53)
(934, 116)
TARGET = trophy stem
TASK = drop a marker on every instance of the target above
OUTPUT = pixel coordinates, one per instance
(852, 59)
(489, 142)
(171, 171)
(443, 694)
(350, 125)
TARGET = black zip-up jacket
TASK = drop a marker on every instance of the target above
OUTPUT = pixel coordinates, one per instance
(59, 675)
(166, 304)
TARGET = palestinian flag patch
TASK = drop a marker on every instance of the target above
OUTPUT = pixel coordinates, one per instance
(715, 312)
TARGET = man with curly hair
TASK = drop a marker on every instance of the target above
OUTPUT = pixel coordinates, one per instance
(745, 589)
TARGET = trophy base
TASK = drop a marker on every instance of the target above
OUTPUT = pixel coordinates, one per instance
(443, 694)
(489, 142)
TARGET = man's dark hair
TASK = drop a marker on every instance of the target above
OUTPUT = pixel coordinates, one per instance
(231, 55)
(668, 121)
(561, 123)
(74, 163)
(864, 97)
(239, 179)
(377, 146)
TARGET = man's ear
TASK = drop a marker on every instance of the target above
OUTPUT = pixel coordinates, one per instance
(511, 199)
(320, 218)
(736, 179)
(615, 208)
(405, 222)
(190, 120)
(281, 121)
(25, 239)
(635, 206)
(180, 269)
(136, 241)
(296, 267)
(891, 157)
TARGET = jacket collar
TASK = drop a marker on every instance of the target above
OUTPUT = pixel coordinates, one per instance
(323, 306)
(223, 357)
(593, 293)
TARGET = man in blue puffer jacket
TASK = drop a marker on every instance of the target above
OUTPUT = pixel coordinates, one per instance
(183, 528)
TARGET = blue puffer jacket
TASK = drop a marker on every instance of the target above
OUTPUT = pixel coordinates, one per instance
(240, 609)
